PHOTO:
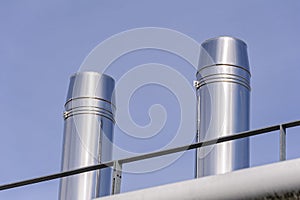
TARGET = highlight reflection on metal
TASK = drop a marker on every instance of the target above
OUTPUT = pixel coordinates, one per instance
(223, 92)
(88, 135)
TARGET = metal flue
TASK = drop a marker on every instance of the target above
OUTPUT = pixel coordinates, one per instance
(223, 94)
(88, 135)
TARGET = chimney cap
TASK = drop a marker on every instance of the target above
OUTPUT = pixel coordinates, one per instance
(224, 50)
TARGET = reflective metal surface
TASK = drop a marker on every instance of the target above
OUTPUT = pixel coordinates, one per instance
(88, 135)
(223, 94)
(278, 181)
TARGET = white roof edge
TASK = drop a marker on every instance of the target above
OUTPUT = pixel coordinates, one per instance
(268, 180)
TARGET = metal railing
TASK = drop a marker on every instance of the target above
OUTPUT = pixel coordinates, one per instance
(117, 164)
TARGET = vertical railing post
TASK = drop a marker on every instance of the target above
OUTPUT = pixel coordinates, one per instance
(117, 176)
(282, 143)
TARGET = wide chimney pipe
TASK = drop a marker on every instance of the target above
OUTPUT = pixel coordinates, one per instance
(223, 94)
(88, 135)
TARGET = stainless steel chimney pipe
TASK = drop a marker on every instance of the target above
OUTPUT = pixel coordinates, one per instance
(223, 93)
(88, 135)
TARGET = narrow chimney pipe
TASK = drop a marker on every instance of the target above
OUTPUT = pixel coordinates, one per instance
(223, 96)
(88, 135)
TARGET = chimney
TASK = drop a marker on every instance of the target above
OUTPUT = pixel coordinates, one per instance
(223, 94)
(88, 135)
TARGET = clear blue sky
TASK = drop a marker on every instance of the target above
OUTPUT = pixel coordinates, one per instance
(42, 43)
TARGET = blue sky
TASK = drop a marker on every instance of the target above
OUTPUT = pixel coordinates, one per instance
(43, 43)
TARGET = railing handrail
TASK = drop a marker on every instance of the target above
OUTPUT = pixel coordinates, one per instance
(240, 135)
